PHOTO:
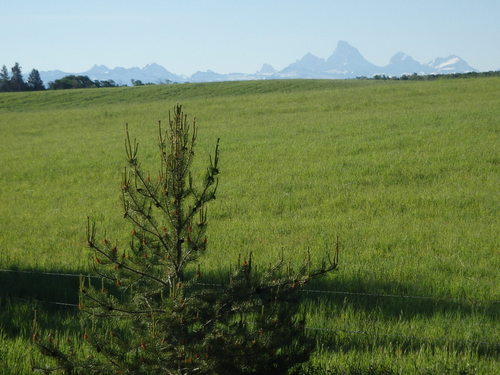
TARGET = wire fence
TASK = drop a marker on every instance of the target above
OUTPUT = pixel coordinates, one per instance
(310, 291)
(344, 330)
(48, 273)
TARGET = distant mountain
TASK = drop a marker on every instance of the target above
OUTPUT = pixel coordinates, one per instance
(403, 64)
(266, 69)
(450, 64)
(345, 62)
(52, 75)
(308, 66)
(152, 73)
(208, 76)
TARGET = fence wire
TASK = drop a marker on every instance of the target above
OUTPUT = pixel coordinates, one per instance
(345, 330)
(49, 273)
(311, 291)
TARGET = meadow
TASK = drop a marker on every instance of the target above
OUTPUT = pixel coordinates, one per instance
(406, 174)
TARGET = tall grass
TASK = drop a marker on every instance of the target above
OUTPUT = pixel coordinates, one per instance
(405, 173)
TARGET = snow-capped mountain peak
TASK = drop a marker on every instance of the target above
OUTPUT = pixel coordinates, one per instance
(401, 63)
(345, 62)
(450, 64)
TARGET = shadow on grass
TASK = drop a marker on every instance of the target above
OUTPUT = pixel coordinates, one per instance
(64, 288)
(391, 305)
(32, 284)
(380, 296)
(16, 320)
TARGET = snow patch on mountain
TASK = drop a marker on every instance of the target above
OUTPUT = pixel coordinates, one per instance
(452, 61)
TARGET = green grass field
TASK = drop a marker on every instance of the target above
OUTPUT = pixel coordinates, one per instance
(405, 173)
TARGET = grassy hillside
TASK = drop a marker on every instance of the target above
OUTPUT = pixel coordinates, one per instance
(405, 173)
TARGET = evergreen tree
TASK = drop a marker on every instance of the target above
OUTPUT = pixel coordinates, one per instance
(16, 80)
(35, 83)
(4, 79)
(154, 313)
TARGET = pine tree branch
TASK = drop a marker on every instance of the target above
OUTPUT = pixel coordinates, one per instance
(99, 273)
(157, 203)
(156, 234)
(123, 265)
(199, 202)
(209, 181)
(111, 307)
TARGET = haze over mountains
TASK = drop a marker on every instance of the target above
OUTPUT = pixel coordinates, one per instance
(345, 62)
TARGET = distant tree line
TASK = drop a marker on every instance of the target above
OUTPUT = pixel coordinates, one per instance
(84, 82)
(79, 82)
(138, 82)
(432, 77)
(15, 81)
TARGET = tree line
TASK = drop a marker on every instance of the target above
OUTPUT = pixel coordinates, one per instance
(432, 77)
(15, 80)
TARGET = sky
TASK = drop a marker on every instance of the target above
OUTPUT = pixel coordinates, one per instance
(226, 36)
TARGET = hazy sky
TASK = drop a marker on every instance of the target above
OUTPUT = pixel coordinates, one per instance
(239, 36)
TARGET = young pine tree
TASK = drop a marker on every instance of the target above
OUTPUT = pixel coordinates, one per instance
(153, 313)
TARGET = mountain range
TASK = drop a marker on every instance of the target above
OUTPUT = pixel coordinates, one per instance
(345, 62)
